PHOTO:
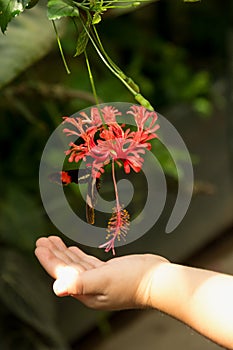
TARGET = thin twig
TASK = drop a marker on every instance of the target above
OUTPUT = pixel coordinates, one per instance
(51, 91)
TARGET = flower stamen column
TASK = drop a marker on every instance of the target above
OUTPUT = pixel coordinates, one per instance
(118, 225)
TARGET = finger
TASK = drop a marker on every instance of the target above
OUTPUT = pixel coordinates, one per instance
(90, 260)
(49, 260)
(68, 281)
(61, 251)
(42, 242)
(85, 263)
(79, 252)
(78, 284)
(71, 281)
(67, 255)
(51, 242)
(57, 242)
(67, 276)
(95, 281)
(56, 245)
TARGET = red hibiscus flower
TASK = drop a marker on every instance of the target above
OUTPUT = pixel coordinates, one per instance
(101, 140)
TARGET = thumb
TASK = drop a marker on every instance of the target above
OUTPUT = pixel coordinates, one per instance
(94, 281)
(68, 282)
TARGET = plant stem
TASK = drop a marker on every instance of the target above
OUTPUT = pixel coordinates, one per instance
(128, 82)
(93, 87)
(60, 48)
(91, 78)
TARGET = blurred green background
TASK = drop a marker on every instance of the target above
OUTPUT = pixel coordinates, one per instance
(181, 56)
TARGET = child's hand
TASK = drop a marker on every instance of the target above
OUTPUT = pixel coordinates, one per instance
(119, 283)
(200, 298)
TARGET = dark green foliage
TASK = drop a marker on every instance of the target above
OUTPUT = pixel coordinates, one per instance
(62, 8)
(10, 9)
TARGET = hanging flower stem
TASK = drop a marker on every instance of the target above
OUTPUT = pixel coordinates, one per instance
(91, 78)
(128, 82)
(118, 207)
(93, 88)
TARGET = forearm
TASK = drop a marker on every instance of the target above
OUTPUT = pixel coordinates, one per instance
(202, 299)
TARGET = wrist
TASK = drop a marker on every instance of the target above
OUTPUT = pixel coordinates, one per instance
(150, 279)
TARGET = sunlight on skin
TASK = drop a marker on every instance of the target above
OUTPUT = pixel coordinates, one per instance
(215, 300)
(66, 277)
(202, 299)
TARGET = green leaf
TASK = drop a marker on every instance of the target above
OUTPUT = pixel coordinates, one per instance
(81, 43)
(9, 9)
(61, 8)
(83, 38)
(96, 18)
(29, 37)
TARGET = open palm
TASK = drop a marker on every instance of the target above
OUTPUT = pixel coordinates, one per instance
(116, 284)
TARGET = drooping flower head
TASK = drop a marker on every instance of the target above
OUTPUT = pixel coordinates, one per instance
(101, 139)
